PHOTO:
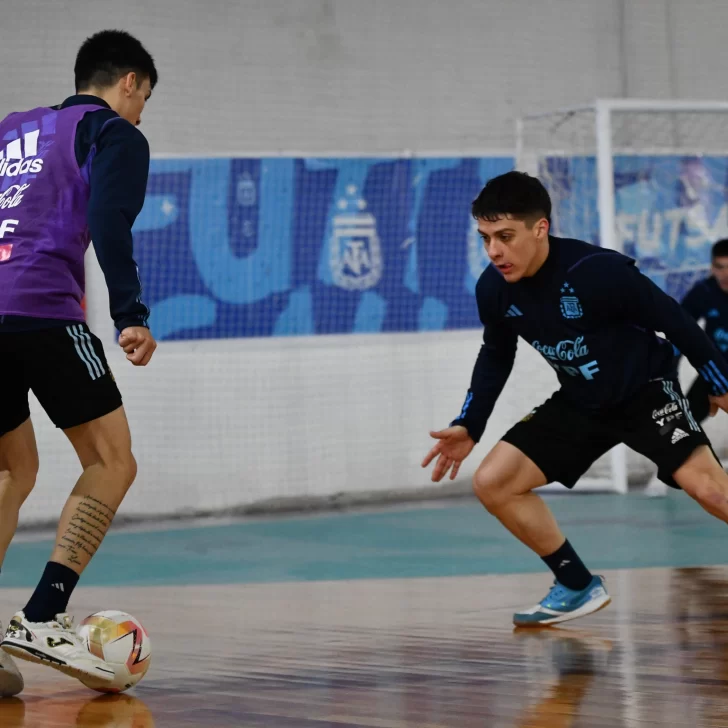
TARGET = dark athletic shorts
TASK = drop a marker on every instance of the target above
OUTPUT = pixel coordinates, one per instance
(66, 369)
(564, 441)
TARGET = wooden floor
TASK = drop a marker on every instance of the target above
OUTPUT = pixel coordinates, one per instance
(391, 653)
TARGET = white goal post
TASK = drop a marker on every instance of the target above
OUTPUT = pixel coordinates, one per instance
(645, 177)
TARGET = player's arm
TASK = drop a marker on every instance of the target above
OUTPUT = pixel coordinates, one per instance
(647, 305)
(695, 302)
(492, 369)
(118, 184)
(490, 374)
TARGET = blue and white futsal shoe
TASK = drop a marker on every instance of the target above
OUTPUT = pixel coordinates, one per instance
(562, 604)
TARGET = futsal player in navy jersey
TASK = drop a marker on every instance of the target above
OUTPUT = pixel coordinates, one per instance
(68, 174)
(708, 300)
(593, 317)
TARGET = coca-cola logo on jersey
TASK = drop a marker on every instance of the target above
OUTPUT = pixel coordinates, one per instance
(12, 196)
(566, 350)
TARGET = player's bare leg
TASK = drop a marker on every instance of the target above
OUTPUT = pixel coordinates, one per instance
(702, 477)
(18, 471)
(104, 449)
(42, 632)
(504, 484)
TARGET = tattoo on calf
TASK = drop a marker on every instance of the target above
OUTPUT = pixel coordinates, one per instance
(87, 529)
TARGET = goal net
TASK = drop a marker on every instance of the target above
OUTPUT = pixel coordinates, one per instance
(649, 179)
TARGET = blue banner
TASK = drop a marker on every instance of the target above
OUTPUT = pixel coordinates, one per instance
(279, 246)
(669, 210)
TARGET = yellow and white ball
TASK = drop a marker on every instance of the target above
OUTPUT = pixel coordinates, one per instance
(120, 640)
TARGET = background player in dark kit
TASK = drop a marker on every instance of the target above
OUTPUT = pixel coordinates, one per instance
(708, 300)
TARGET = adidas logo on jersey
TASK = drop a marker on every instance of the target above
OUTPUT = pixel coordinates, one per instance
(678, 435)
(513, 311)
(18, 156)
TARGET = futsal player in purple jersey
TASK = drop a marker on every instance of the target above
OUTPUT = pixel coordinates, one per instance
(70, 174)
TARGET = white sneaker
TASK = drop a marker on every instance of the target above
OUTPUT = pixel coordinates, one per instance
(55, 644)
(11, 681)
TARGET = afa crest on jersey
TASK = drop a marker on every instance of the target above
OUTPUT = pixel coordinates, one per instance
(570, 304)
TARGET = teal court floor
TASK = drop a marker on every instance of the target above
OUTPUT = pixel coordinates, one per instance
(399, 616)
(447, 538)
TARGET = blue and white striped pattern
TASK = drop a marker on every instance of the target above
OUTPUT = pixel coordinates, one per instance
(139, 299)
(714, 377)
(466, 404)
(669, 388)
(85, 350)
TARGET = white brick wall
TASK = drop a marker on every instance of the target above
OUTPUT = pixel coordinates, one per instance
(370, 75)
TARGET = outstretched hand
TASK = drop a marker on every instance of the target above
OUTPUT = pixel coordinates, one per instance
(454, 444)
(717, 403)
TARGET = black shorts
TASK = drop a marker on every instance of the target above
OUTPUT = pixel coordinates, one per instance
(698, 399)
(564, 441)
(64, 367)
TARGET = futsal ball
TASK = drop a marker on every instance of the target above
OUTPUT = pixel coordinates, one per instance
(121, 640)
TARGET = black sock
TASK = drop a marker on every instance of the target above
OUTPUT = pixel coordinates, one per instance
(52, 593)
(568, 568)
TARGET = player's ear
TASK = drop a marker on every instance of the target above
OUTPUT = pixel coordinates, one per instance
(129, 83)
(541, 228)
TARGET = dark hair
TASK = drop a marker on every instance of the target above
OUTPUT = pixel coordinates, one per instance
(513, 194)
(107, 56)
(720, 249)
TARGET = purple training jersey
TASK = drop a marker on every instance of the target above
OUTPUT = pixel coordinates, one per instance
(43, 201)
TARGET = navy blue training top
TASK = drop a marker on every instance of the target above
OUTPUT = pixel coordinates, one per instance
(706, 300)
(593, 317)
